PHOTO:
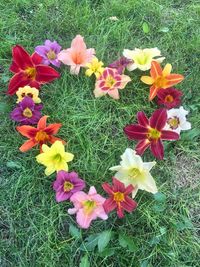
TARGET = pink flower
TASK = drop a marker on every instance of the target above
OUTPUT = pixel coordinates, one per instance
(77, 56)
(88, 207)
(109, 83)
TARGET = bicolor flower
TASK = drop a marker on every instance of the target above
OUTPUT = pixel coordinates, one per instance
(120, 64)
(77, 55)
(28, 91)
(49, 52)
(142, 58)
(94, 67)
(54, 158)
(150, 132)
(27, 112)
(132, 170)
(118, 198)
(43, 134)
(170, 97)
(160, 78)
(66, 184)
(177, 121)
(110, 82)
(87, 207)
(28, 70)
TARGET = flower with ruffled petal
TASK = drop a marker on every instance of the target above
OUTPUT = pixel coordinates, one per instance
(120, 64)
(169, 97)
(142, 58)
(109, 83)
(49, 52)
(66, 184)
(54, 158)
(87, 207)
(177, 121)
(77, 55)
(94, 67)
(150, 132)
(43, 134)
(132, 170)
(118, 198)
(160, 79)
(28, 91)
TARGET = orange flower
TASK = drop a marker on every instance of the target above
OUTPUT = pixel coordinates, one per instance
(160, 78)
(38, 136)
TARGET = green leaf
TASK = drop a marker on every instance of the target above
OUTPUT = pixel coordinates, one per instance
(107, 252)
(84, 261)
(90, 243)
(74, 231)
(145, 27)
(159, 197)
(159, 207)
(126, 241)
(13, 165)
(104, 239)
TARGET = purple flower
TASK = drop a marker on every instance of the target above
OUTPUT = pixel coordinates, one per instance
(49, 52)
(120, 64)
(66, 184)
(27, 112)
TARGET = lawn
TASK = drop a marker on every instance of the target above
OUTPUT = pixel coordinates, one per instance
(163, 231)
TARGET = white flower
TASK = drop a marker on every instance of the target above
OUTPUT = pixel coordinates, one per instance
(142, 58)
(176, 120)
(132, 170)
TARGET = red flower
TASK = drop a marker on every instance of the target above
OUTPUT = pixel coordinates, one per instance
(170, 97)
(43, 134)
(29, 70)
(119, 198)
(150, 132)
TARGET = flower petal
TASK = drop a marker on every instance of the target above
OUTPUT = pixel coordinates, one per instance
(169, 135)
(135, 131)
(174, 79)
(153, 92)
(167, 69)
(107, 188)
(129, 204)
(142, 146)
(46, 74)
(21, 57)
(158, 119)
(142, 119)
(27, 131)
(156, 69)
(18, 80)
(27, 145)
(53, 128)
(114, 94)
(42, 122)
(109, 205)
(36, 59)
(147, 80)
(157, 149)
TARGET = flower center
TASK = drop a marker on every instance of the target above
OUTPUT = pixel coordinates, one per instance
(153, 134)
(89, 206)
(27, 113)
(169, 98)
(57, 158)
(118, 196)
(173, 122)
(134, 173)
(51, 55)
(77, 58)
(31, 73)
(142, 58)
(160, 82)
(110, 81)
(67, 186)
(41, 136)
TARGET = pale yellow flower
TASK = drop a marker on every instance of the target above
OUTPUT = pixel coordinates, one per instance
(94, 67)
(28, 91)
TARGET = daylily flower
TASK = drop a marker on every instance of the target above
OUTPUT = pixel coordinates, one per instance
(29, 70)
(132, 170)
(177, 121)
(77, 56)
(28, 91)
(54, 158)
(169, 97)
(43, 134)
(109, 83)
(120, 64)
(150, 132)
(94, 67)
(160, 78)
(118, 198)
(88, 207)
(27, 112)
(66, 184)
(142, 58)
(49, 52)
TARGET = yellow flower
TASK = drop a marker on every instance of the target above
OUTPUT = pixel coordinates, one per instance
(95, 66)
(28, 91)
(54, 158)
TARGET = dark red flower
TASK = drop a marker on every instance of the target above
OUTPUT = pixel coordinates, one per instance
(28, 70)
(169, 97)
(119, 198)
(150, 132)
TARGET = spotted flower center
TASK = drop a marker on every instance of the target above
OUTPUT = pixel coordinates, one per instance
(169, 99)
(173, 122)
(134, 173)
(67, 186)
(110, 81)
(27, 113)
(89, 206)
(160, 82)
(31, 73)
(118, 196)
(51, 55)
(153, 134)
(41, 136)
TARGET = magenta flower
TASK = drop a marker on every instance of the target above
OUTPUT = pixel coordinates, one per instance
(27, 112)
(66, 184)
(49, 52)
(120, 64)
(87, 207)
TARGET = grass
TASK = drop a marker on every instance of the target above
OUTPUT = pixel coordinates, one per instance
(34, 228)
